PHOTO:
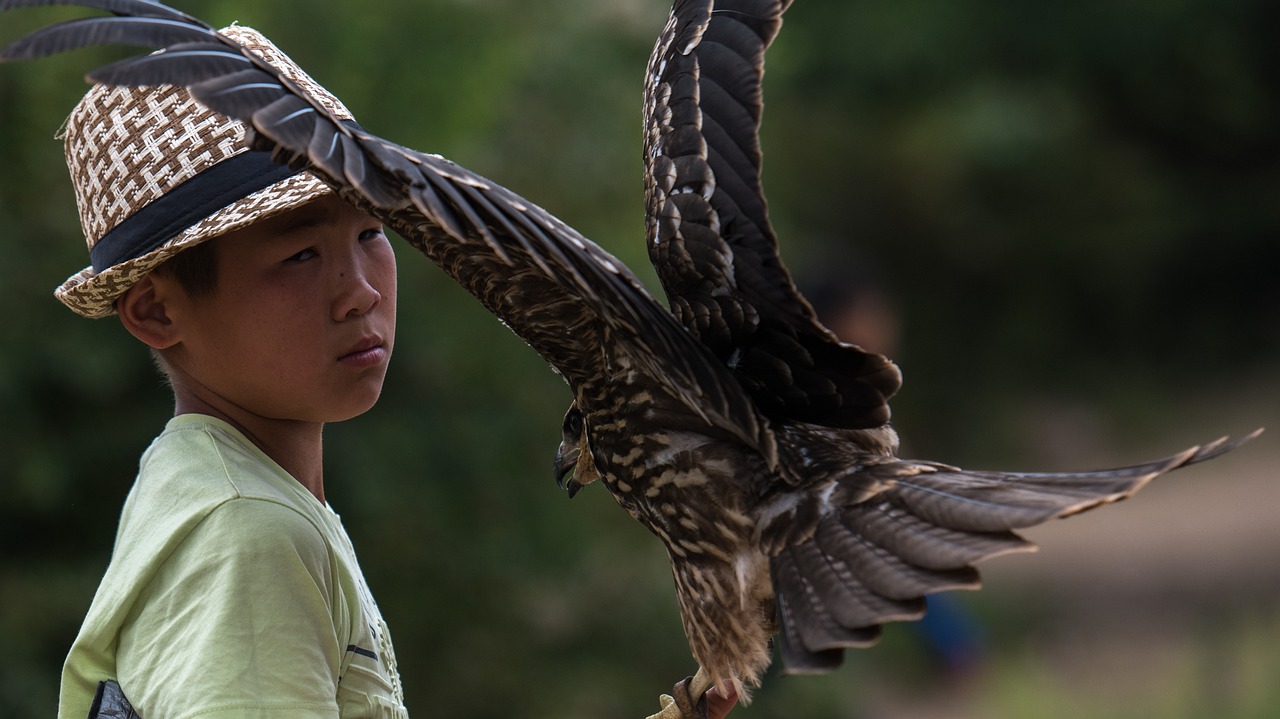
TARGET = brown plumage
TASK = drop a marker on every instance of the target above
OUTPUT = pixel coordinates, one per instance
(734, 426)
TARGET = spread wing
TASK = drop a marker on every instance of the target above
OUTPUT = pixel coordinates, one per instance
(573, 302)
(708, 229)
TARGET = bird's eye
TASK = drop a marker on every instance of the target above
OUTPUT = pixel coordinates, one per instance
(573, 423)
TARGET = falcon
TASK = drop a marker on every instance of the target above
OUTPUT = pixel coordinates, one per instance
(733, 425)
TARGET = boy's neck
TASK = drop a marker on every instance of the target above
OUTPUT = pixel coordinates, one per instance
(296, 446)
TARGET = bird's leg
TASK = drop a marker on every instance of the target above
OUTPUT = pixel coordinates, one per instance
(689, 700)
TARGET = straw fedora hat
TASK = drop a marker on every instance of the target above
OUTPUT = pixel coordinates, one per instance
(156, 172)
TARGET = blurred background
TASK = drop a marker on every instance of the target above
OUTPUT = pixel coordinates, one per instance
(1061, 220)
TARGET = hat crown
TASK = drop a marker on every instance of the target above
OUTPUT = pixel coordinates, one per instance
(157, 149)
(128, 146)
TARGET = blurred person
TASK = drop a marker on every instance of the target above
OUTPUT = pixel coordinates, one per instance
(852, 302)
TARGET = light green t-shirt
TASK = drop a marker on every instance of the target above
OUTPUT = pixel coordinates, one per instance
(232, 592)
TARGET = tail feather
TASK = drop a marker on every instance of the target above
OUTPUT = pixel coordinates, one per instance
(875, 560)
(852, 601)
(925, 544)
(880, 570)
(812, 638)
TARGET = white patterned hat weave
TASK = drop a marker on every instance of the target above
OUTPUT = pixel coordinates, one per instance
(127, 147)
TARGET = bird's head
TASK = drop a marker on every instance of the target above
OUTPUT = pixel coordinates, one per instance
(574, 454)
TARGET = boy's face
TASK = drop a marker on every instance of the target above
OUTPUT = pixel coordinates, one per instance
(302, 321)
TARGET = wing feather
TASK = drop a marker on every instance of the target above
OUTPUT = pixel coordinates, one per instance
(572, 301)
(135, 8)
(708, 230)
(74, 34)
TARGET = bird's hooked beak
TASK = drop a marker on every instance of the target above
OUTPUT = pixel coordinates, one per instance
(569, 455)
(565, 464)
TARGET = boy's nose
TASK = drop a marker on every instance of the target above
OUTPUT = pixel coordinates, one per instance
(358, 293)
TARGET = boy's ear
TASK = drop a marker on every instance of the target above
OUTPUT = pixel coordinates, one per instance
(142, 311)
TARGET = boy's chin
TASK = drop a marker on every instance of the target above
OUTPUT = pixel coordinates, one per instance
(355, 408)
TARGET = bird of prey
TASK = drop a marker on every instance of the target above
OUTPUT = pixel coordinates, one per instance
(748, 438)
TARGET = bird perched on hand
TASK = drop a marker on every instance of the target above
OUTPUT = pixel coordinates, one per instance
(749, 439)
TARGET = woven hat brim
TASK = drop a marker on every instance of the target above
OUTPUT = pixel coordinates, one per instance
(94, 294)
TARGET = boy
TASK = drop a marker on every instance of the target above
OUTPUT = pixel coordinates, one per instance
(269, 304)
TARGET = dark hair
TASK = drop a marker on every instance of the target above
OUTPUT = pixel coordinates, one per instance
(195, 269)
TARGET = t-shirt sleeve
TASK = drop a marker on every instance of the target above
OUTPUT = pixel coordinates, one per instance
(238, 622)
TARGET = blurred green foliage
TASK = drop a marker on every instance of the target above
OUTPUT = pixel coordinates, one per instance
(1068, 203)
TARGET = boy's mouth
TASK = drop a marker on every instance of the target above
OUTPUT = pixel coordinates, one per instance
(367, 352)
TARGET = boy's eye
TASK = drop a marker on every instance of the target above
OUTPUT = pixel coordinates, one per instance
(372, 233)
(303, 256)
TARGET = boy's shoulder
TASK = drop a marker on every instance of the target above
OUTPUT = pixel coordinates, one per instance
(200, 465)
(201, 458)
(202, 485)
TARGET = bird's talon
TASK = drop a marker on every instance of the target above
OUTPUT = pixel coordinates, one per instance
(688, 699)
(690, 706)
